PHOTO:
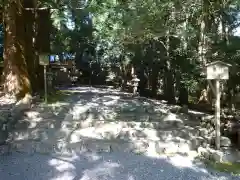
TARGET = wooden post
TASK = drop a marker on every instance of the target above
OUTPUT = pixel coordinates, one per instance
(217, 70)
(45, 83)
(217, 115)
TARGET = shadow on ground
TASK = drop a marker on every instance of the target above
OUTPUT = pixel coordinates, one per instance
(107, 115)
(104, 166)
(111, 134)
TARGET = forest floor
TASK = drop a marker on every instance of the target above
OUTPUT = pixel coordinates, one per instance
(99, 133)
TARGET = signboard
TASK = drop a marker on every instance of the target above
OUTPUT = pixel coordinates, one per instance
(44, 59)
(217, 70)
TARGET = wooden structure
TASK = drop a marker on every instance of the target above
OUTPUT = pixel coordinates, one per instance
(217, 71)
(63, 72)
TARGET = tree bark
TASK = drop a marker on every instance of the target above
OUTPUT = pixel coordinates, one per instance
(169, 91)
(15, 75)
(30, 52)
(42, 28)
(154, 80)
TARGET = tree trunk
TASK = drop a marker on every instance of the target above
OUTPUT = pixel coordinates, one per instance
(15, 75)
(143, 79)
(205, 27)
(169, 79)
(183, 94)
(42, 28)
(30, 52)
(154, 80)
(203, 46)
(124, 76)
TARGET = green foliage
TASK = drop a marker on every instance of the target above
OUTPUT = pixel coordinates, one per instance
(233, 168)
(58, 96)
(154, 36)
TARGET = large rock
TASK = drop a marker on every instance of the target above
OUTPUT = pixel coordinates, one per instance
(208, 119)
(25, 103)
(140, 147)
(225, 142)
(172, 120)
(68, 125)
(21, 106)
(171, 149)
(109, 131)
(196, 142)
(204, 152)
(166, 147)
(6, 124)
(126, 116)
(3, 136)
(175, 109)
(68, 117)
(5, 149)
(99, 147)
(159, 148)
(32, 114)
(79, 112)
(143, 117)
(203, 132)
(150, 110)
(184, 109)
(231, 155)
(216, 156)
(156, 117)
(184, 148)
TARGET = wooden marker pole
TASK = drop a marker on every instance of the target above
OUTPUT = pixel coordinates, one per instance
(45, 84)
(217, 115)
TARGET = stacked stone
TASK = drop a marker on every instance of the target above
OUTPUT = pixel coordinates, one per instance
(5, 124)
(207, 132)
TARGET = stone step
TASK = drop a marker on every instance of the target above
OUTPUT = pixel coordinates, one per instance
(104, 129)
(110, 133)
(99, 146)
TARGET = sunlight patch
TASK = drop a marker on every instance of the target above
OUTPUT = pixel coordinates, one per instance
(106, 170)
(178, 161)
(65, 176)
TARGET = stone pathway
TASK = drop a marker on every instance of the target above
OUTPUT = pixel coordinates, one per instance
(105, 134)
(97, 120)
(104, 166)
(105, 120)
(7, 104)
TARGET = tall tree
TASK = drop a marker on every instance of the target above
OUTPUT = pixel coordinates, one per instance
(15, 76)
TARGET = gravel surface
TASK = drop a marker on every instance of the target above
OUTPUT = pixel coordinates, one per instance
(104, 166)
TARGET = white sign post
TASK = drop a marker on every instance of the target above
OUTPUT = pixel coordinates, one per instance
(217, 71)
(44, 61)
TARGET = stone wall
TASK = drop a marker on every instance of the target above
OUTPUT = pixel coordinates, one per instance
(6, 122)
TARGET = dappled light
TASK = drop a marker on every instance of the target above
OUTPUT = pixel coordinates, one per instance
(100, 90)
(82, 134)
(91, 166)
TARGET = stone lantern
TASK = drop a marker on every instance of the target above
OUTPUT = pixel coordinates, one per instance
(135, 82)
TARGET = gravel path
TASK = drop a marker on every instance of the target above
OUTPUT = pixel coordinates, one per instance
(105, 166)
(90, 166)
